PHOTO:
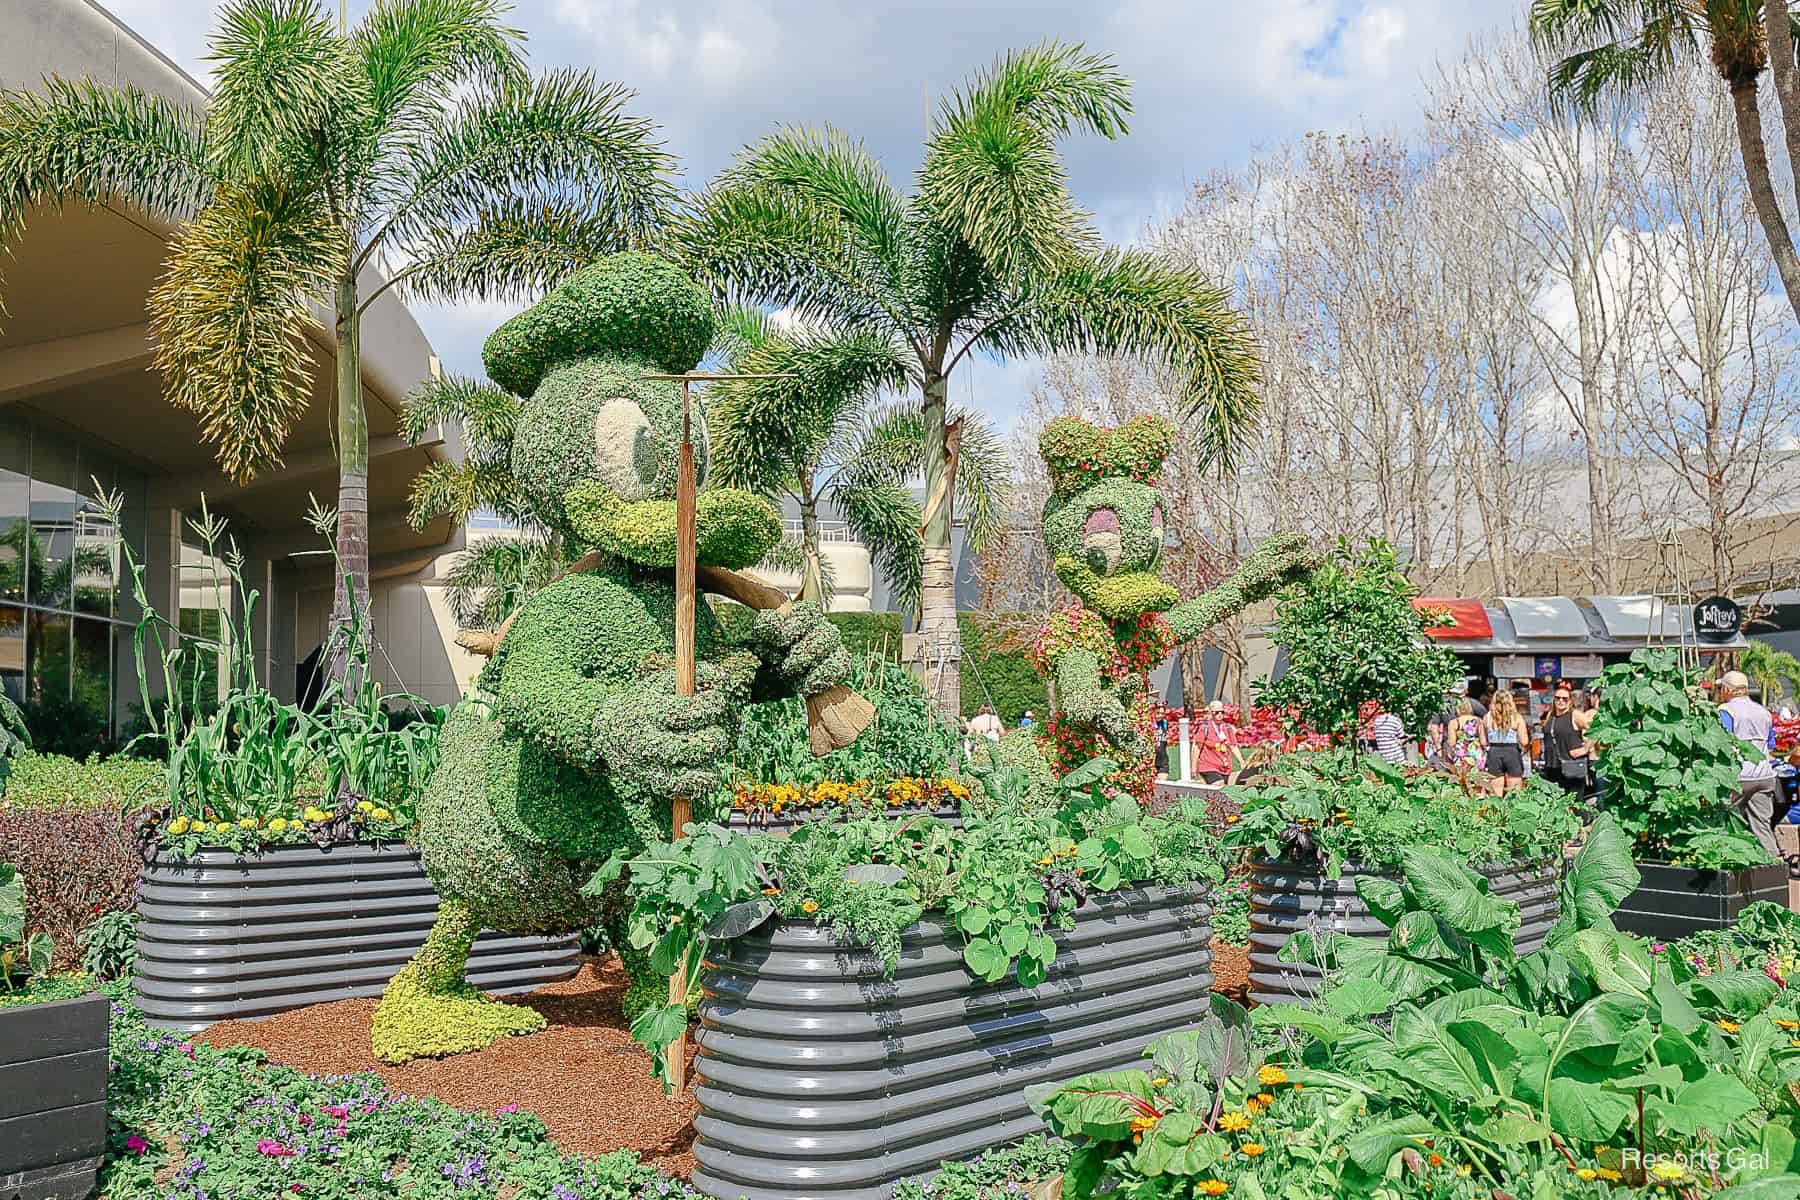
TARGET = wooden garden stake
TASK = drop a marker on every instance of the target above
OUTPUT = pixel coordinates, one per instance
(681, 808)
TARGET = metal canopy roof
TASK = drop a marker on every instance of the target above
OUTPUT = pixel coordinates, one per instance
(1635, 618)
(1538, 617)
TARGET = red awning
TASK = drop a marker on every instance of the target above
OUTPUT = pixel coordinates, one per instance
(1470, 617)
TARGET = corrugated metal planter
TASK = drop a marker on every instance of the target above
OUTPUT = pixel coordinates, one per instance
(1285, 898)
(221, 936)
(53, 1059)
(1673, 902)
(819, 1078)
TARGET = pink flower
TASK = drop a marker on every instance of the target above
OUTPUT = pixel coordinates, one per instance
(340, 1111)
(305, 1120)
(511, 1108)
(270, 1148)
(136, 1144)
(187, 1048)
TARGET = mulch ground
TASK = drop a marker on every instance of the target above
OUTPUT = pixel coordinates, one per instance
(584, 1076)
(1231, 970)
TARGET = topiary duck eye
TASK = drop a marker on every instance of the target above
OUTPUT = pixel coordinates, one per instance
(1101, 544)
(625, 449)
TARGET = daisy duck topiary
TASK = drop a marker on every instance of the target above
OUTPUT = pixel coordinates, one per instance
(1103, 527)
(574, 741)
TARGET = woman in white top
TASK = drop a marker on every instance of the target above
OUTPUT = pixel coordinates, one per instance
(1507, 735)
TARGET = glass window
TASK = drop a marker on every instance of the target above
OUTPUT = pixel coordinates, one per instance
(47, 658)
(91, 676)
(12, 652)
(54, 470)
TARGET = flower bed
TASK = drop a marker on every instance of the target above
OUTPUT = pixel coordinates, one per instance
(225, 935)
(780, 807)
(1674, 902)
(53, 1057)
(820, 1077)
(1286, 898)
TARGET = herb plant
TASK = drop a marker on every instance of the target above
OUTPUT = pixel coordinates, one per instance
(109, 945)
(21, 956)
(1669, 767)
(1335, 808)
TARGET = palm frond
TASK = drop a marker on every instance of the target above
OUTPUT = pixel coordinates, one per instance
(515, 247)
(494, 576)
(765, 430)
(283, 83)
(762, 245)
(1135, 303)
(889, 449)
(1607, 48)
(487, 414)
(885, 516)
(460, 490)
(230, 314)
(564, 137)
(993, 173)
(741, 327)
(94, 143)
(416, 53)
(830, 172)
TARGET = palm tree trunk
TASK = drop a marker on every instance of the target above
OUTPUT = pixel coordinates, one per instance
(351, 608)
(940, 639)
(812, 576)
(1762, 188)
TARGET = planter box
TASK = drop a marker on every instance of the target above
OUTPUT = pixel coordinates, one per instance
(819, 1078)
(1673, 902)
(1285, 898)
(221, 936)
(53, 1071)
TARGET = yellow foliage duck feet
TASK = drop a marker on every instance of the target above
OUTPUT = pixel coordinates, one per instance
(412, 1022)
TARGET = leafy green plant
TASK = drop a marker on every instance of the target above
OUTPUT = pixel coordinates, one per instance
(21, 956)
(997, 1174)
(109, 945)
(119, 781)
(1669, 766)
(1592, 1049)
(1357, 598)
(1337, 807)
(1004, 882)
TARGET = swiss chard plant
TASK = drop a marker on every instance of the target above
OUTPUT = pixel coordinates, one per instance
(22, 956)
(1334, 808)
(1004, 882)
(1669, 768)
(1628, 1065)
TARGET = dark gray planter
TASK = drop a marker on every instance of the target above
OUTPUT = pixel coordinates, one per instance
(1285, 898)
(222, 936)
(53, 1070)
(818, 1078)
(1673, 902)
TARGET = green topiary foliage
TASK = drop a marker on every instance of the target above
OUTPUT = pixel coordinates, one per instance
(575, 740)
(629, 306)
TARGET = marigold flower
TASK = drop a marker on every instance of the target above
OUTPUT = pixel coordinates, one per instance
(1265, 1099)
(1251, 1149)
(811, 906)
(278, 825)
(1143, 1124)
(1271, 1076)
(1436, 1160)
(771, 891)
(1213, 1187)
(1159, 1081)
(1606, 1173)
(1234, 1122)
(1783, 1023)
(1727, 1026)
(178, 826)
(1668, 1172)
(382, 814)
(1587, 1173)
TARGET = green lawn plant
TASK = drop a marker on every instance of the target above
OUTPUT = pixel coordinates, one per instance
(1353, 638)
(1004, 881)
(1339, 808)
(22, 956)
(1669, 767)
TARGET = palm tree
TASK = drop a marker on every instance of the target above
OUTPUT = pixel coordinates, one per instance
(989, 254)
(821, 436)
(417, 134)
(1607, 47)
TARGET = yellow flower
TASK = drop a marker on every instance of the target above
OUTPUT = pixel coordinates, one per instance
(1046, 861)
(382, 814)
(1727, 1026)
(771, 891)
(1251, 1149)
(1234, 1122)
(278, 825)
(1668, 1172)
(1213, 1187)
(222, 827)
(1466, 1168)
(178, 826)
(1143, 1124)
(1608, 1174)
(1270, 1076)
(811, 906)
(1265, 1099)
(364, 806)
(1231, 819)
(1783, 1023)
(1159, 1081)
(1587, 1173)
(1254, 1105)
(246, 822)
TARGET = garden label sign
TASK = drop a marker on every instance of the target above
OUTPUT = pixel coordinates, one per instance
(1717, 619)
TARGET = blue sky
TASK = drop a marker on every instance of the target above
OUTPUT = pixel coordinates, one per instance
(1216, 81)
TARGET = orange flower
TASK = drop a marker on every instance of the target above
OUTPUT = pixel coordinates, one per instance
(810, 906)
(1271, 1076)
(1213, 1187)
(1234, 1122)
(1436, 1160)
(1251, 1149)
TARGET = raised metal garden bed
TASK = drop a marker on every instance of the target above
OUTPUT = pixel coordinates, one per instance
(819, 1078)
(793, 818)
(1672, 902)
(53, 1070)
(1285, 898)
(222, 936)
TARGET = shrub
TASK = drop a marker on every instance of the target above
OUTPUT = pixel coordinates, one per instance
(109, 945)
(41, 780)
(81, 861)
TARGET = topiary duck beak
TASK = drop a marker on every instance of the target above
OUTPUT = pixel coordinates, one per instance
(735, 529)
(1116, 597)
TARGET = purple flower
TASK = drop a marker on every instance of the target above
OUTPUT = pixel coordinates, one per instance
(136, 1144)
